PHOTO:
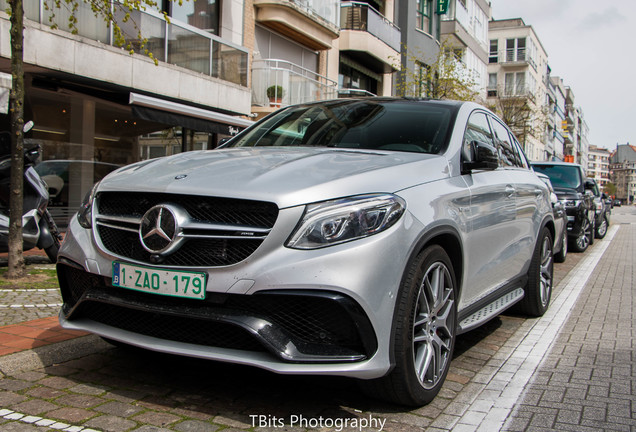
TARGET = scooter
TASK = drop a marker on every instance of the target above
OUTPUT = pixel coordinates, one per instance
(38, 228)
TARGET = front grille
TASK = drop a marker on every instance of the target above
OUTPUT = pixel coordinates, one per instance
(225, 231)
(195, 252)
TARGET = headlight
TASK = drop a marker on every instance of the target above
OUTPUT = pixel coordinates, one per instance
(571, 203)
(332, 222)
(85, 212)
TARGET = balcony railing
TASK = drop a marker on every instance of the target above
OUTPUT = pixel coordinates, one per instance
(513, 57)
(362, 17)
(279, 83)
(175, 42)
(325, 9)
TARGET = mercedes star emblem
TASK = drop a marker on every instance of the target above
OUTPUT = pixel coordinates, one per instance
(159, 229)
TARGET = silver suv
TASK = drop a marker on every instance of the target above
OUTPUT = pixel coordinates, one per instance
(354, 237)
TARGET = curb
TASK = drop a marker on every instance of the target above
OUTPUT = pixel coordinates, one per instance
(49, 355)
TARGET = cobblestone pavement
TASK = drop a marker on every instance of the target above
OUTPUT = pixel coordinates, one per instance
(25, 304)
(119, 389)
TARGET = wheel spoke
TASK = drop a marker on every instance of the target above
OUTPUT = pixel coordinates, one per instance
(423, 361)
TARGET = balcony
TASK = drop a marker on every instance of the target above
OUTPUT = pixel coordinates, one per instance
(171, 42)
(278, 83)
(313, 23)
(513, 58)
(369, 37)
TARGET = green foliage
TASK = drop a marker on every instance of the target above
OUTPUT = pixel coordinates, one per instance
(610, 189)
(444, 77)
(275, 91)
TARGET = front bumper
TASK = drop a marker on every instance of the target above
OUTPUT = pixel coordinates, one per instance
(326, 311)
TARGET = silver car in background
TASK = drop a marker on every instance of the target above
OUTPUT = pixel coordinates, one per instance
(354, 237)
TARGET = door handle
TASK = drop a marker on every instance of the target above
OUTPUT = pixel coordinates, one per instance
(510, 191)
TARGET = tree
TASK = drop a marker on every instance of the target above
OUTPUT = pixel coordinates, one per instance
(520, 114)
(610, 189)
(101, 8)
(445, 77)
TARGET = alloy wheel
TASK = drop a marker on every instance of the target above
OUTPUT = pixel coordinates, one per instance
(602, 228)
(433, 328)
(545, 271)
(583, 240)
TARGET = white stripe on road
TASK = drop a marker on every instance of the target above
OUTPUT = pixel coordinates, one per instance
(493, 403)
(31, 306)
(39, 421)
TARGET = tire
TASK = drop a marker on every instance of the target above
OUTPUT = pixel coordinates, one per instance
(52, 250)
(423, 331)
(582, 241)
(538, 290)
(601, 229)
(563, 253)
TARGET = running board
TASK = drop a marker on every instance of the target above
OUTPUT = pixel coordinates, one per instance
(490, 311)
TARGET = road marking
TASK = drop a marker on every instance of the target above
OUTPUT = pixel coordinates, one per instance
(30, 306)
(513, 368)
(39, 421)
(28, 290)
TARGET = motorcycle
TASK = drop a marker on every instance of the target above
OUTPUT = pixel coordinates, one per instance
(38, 228)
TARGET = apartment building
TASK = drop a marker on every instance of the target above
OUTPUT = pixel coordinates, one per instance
(517, 71)
(295, 55)
(93, 101)
(464, 30)
(623, 172)
(598, 165)
(556, 126)
(369, 48)
(420, 26)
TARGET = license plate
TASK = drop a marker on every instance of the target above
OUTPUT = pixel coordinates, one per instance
(159, 281)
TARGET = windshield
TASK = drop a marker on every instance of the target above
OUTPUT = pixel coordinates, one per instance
(562, 176)
(397, 125)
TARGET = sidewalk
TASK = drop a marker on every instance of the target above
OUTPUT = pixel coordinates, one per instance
(33, 334)
(587, 382)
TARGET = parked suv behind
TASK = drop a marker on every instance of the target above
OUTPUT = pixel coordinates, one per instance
(603, 210)
(347, 237)
(575, 192)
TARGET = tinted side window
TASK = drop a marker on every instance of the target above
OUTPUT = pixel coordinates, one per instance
(521, 156)
(477, 129)
(507, 155)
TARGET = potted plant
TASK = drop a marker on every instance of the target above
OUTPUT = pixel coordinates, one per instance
(275, 95)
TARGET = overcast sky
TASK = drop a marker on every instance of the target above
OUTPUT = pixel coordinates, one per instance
(590, 44)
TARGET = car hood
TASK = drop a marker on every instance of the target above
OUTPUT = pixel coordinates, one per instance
(285, 176)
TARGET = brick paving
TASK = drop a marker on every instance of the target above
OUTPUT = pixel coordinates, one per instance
(588, 381)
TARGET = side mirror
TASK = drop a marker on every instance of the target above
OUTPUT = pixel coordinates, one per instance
(589, 184)
(484, 157)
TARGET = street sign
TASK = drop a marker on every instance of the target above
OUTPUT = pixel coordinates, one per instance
(442, 7)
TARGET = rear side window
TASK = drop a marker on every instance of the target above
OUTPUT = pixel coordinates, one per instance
(507, 154)
(477, 129)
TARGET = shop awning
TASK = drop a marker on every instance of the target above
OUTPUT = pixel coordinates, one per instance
(173, 113)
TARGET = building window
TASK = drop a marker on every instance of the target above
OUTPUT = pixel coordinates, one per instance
(515, 84)
(422, 14)
(493, 57)
(516, 49)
